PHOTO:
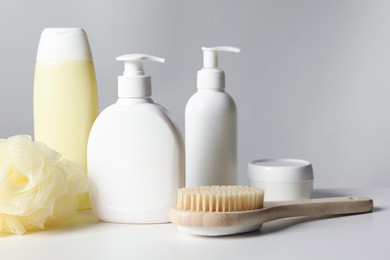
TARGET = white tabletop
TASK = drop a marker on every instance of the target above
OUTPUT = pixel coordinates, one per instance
(363, 236)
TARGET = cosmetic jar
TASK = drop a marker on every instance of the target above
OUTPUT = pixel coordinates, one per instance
(282, 179)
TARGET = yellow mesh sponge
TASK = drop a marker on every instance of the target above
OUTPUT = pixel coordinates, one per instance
(38, 187)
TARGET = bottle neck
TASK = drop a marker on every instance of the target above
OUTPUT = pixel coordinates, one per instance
(211, 79)
(211, 90)
(133, 100)
(134, 86)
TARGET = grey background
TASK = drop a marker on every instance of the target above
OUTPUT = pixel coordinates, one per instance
(312, 81)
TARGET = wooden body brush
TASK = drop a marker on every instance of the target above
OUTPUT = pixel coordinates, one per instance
(227, 210)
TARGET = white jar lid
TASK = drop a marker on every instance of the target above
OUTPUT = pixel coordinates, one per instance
(280, 170)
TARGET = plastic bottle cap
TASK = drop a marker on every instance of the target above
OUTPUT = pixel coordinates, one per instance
(62, 44)
(210, 76)
(134, 83)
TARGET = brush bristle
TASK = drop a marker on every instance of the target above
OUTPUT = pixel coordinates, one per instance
(220, 198)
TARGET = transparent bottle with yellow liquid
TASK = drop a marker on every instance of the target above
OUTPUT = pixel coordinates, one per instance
(65, 95)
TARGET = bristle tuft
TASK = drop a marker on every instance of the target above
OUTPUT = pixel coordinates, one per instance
(220, 198)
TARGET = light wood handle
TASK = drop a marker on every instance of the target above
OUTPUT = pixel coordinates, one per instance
(308, 208)
(317, 208)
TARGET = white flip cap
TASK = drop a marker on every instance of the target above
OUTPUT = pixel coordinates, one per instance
(63, 44)
(134, 83)
(210, 76)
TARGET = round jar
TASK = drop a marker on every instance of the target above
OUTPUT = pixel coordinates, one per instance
(282, 179)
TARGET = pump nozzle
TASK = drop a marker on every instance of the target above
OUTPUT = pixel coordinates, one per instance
(210, 76)
(210, 57)
(134, 63)
(134, 83)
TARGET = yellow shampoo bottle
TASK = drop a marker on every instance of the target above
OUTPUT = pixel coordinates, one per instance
(65, 95)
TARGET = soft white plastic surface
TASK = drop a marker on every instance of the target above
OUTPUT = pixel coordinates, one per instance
(63, 44)
(211, 131)
(133, 82)
(135, 162)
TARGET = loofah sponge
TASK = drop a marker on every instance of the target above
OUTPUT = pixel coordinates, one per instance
(38, 187)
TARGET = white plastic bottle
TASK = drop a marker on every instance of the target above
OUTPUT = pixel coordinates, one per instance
(211, 127)
(135, 153)
(65, 95)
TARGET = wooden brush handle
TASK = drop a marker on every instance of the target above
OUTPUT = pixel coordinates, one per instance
(316, 208)
(277, 210)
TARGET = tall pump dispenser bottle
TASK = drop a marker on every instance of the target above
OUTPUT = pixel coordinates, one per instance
(65, 95)
(211, 127)
(135, 153)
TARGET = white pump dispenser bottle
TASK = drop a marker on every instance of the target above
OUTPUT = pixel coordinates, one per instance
(135, 153)
(211, 127)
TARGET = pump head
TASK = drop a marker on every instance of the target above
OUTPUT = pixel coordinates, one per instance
(211, 77)
(210, 55)
(134, 83)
